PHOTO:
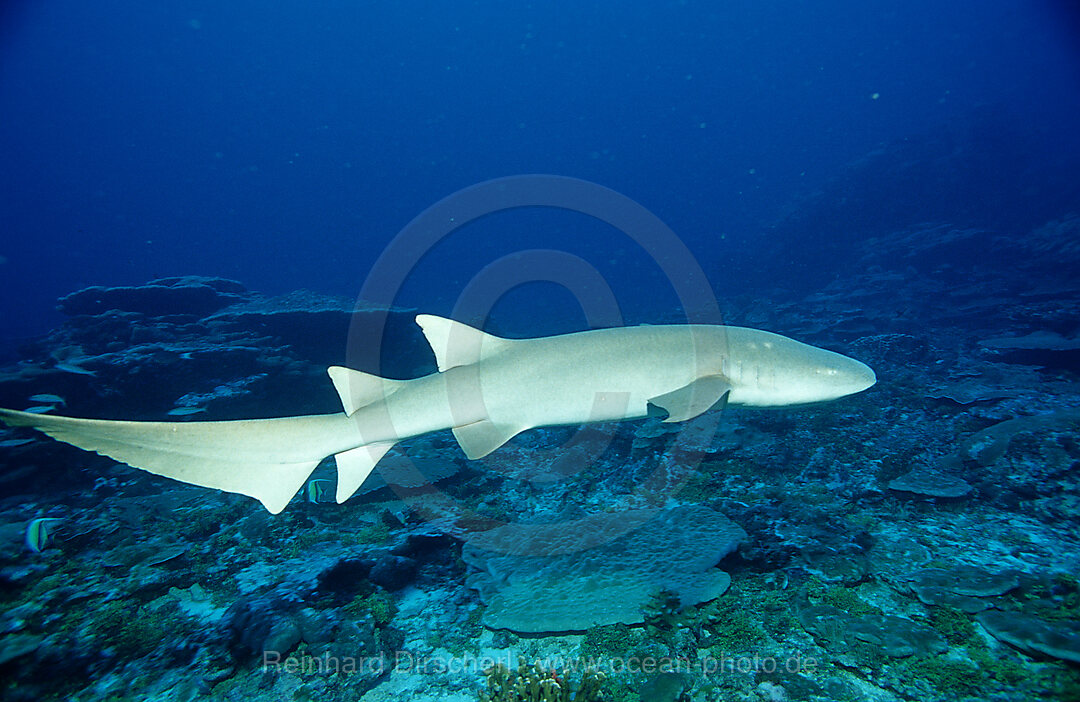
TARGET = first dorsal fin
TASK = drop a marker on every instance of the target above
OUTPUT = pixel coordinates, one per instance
(457, 344)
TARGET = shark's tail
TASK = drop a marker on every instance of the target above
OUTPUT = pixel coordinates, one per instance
(268, 459)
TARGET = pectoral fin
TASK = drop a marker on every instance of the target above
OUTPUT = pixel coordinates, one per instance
(481, 438)
(696, 398)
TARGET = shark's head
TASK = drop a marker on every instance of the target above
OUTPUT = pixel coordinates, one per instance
(769, 370)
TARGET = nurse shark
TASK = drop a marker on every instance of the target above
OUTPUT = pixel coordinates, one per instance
(487, 390)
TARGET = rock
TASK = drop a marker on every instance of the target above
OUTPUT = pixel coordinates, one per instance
(898, 637)
(898, 555)
(222, 285)
(424, 542)
(987, 446)
(543, 578)
(667, 687)
(317, 326)
(939, 586)
(362, 635)
(935, 176)
(1035, 341)
(825, 622)
(341, 578)
(921, 481)
(20, 575)
(894, 347)
(143, 553)
(393, 572)
(196, 602)
(168, 296)
(940, 596)
(834, 567)
(969, 393)
(327, 566)
(15, 646)
(315, 627)
(12, 539)
(1059, 640)
(258, 625)
(283, 637)
(15, 619)
(409, 472)
(1039, 348)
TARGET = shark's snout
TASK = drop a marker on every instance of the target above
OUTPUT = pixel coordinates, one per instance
(846, 377)
(865, 378)
(831, 377)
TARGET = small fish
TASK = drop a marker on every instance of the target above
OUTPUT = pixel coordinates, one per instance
(39, 532)
(40, 409)
(319, 491)
(45, 398)
(12, 443)
(185, 411)
(70, 367)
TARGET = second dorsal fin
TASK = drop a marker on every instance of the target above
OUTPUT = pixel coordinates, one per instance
(357, 389)
(457, 344)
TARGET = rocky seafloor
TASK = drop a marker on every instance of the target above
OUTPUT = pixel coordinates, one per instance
(917, 541)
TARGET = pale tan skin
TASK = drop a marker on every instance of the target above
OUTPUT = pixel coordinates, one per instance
(487, 390)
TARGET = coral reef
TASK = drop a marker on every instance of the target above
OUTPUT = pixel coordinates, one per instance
(546, 589)
(534, 684)
(915, 542)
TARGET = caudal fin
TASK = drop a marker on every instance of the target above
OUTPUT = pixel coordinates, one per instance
(268, 459)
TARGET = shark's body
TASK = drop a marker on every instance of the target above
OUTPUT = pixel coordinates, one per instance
(487, 390)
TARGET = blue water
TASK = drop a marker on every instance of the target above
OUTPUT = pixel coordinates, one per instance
(284, 144)
(894, 180)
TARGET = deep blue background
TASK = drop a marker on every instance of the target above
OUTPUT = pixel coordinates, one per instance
(284, 144)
